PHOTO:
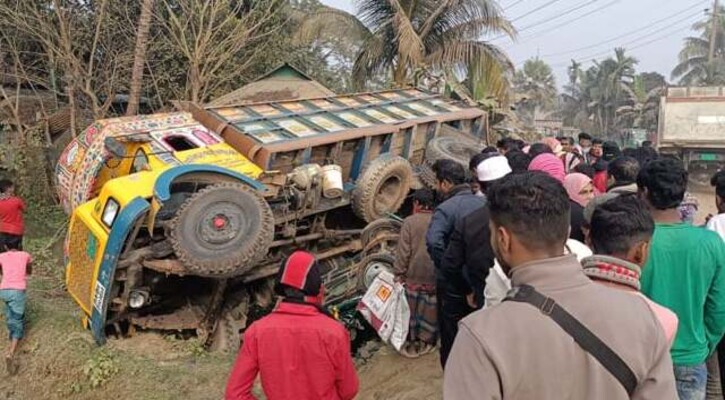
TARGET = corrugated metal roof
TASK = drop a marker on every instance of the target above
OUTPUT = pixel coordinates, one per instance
(278, 121)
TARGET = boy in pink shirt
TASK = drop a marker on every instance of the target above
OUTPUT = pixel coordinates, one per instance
(16, 266)
(620, 232)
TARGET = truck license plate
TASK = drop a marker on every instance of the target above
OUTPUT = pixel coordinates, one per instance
(708, 157)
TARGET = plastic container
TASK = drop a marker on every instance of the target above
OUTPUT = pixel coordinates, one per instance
(332, 181)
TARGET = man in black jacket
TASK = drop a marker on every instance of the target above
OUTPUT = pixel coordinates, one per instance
(459, 202)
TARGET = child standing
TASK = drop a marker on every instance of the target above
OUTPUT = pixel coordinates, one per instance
(12, 226)
(16, 266)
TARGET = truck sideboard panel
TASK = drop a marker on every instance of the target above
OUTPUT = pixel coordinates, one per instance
(692, 117)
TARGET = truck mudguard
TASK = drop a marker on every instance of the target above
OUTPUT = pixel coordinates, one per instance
(162, 187)
(123, 225)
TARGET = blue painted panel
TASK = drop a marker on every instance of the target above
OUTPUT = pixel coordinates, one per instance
(122, 226)
(387, 143)
(162, 187)
(360, 155)
(306, 155)
(408, 142)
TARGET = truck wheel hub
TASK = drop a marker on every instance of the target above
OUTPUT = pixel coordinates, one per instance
(222, 224)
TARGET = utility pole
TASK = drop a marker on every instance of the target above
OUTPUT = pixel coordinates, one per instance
(713, 30)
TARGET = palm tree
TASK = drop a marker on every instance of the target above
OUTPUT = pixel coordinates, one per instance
(642, 106)
(139, 57)
(399, 37)
(605, 85)
(536, 83)
(694, 66)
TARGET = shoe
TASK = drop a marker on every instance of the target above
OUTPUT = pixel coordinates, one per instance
(408, 351)
(426, 349)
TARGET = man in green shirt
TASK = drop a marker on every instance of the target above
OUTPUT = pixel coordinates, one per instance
(685, 273)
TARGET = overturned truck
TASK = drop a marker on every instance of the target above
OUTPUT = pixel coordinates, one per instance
(178, 221)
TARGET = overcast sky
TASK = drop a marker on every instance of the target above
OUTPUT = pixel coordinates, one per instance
(561, 30)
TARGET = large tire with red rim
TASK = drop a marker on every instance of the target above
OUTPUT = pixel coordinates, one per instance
(382, 188)
(222, 230)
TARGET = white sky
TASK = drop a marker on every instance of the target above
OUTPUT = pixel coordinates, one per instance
(559, 30)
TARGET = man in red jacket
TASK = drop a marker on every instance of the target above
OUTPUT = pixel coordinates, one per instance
(300, 351)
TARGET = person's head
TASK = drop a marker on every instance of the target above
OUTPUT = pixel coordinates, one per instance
(448, 174)
(718, 181)
(610, 151)
(622, 227)
(472, 165)
(585, 169)
(647, 143)
(518, 161)
(629, 152)
(529, 218)
(553, 144)
(423, 200)
(662, 183)
(645, 154)
(489, 149)
(12, 244)
(506, 144)
(538, 149)
(623, 171)
(549, 164)
(7, 187)
(597, 149)
(585, 141)
(491, 170)
(299, 278)
(580, 188)
(566, 144)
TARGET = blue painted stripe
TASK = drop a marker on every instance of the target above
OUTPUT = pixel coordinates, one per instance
(306, 155)
(162, 187)
(387, 142)
(408, 142)
(122, 226)
(360, 155)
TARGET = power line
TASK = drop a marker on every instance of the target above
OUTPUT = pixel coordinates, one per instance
(541, 7)
(638, 30)
(512, 5)
(546, 20)
(576, 19)
(638, 46)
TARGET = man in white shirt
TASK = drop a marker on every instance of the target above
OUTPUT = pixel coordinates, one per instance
(717, 222)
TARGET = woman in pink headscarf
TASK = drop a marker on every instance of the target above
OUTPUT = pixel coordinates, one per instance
(550, 164)
(554, 145)
(580, 188)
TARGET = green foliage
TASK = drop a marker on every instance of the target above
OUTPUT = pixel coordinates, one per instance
(101, 367)
(535, 88)
(695, 67)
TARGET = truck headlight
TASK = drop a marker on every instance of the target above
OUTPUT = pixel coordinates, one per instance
(138, 298)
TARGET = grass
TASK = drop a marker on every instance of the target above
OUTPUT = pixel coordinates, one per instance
(59, 360)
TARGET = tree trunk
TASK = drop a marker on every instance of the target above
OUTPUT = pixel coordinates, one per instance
(139, 57)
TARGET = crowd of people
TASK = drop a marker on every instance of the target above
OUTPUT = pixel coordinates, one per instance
(552, 270)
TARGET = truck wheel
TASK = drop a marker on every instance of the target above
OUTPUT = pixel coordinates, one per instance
(427, 176)
(457, 149)
(222, 230)
(227, 336)
(382, 188)
(372, 265)
(380, 235)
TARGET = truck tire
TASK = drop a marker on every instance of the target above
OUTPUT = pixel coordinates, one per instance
(382, 188)
(222, 230)
(380, 236)
(427, 176)
(457, 149)
(370, 266)
(227, 335)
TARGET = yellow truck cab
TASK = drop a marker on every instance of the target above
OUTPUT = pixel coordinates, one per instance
(178, 220)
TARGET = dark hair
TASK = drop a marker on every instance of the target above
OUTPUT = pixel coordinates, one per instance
(647, 143)
(585, 169)
(665, 180)
(538, 149)
(532, 205)
(645, 154)
(477, 159)
(624, 170)
(450, 171)
(5, 184)
(520, 144)
(424, 197)
(630, 152)
(597, 141)
(600, 165)
(620, 223)
(518, 161)
(489, 149)
(13, 244)
(585, 136)
(718, 181)
(611, 151)
(504, 142)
